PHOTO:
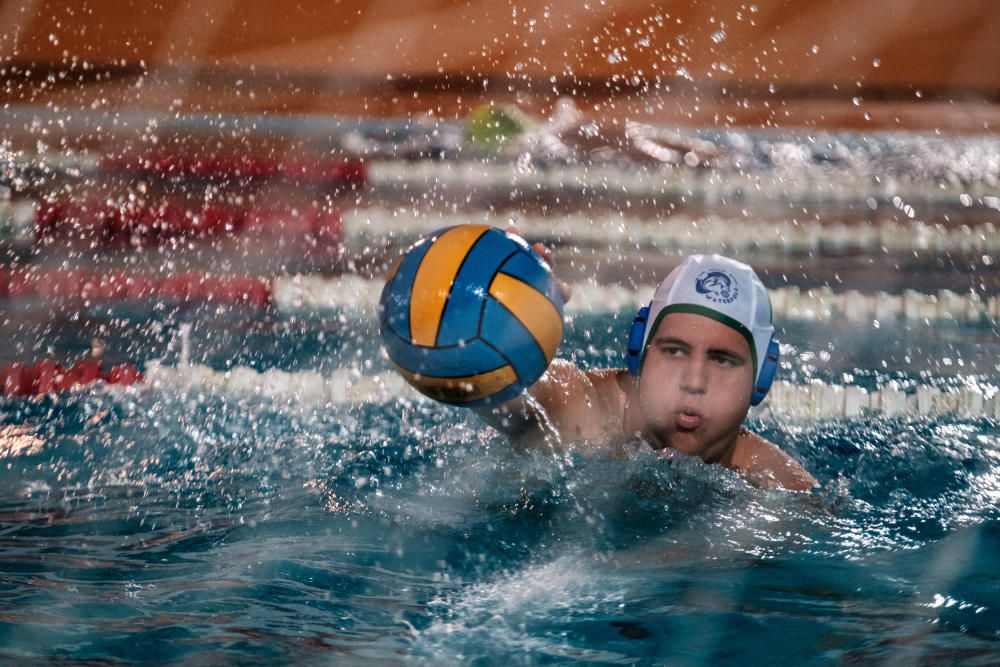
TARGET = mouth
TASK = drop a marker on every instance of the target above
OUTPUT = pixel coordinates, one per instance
(688, 419)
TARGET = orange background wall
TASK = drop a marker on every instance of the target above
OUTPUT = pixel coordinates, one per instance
(900, 50)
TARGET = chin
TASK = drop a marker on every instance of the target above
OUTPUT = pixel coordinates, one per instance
(685, 443)
(689, 449)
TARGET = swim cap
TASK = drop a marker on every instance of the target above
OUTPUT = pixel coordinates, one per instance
(724, 290)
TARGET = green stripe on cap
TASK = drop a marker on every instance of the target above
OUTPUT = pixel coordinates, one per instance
(734, 324)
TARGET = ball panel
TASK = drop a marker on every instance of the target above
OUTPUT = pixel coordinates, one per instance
(502, 330)
(502, 396)
(395, 300)
(471, 358)
(393, 268)
(528, 267)
(533, 310)
(462, 390)
(460, 320)
(471, 315)
(433, 280)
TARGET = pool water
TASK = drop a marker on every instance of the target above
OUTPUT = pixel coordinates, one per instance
(142, 526)
(201, 526)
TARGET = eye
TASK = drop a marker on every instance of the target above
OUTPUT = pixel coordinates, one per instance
(672, 350)
(725, 360)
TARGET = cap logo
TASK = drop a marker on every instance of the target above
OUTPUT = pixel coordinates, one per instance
(717, 286)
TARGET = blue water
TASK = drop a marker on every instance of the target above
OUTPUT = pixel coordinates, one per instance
(148, 527)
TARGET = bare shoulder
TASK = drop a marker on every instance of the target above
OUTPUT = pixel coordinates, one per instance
(581, 404)
(764, 464)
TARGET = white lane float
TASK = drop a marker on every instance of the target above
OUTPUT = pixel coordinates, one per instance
(817, 401)
(711, 233)
(306, 293)
(813, 401)
(638, 182)
(17, 223)
(346, 385)
(311, 293)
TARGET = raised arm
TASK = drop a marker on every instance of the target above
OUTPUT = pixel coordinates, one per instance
(564, 401)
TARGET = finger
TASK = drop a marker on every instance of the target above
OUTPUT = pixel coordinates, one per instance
(564, 290)
(543, 251)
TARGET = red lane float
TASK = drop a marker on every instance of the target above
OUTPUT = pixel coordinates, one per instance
(111, 221)
(350, 172)
(49, 376)
(153, 223)
(319, 225)
(71, 285)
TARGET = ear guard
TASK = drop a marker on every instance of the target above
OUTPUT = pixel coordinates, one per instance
(765, 376)
(635, 337)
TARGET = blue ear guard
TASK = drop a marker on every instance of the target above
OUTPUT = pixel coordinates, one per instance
(635, 336)
(765, 376)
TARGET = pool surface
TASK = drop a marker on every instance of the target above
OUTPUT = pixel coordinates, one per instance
(200, 525)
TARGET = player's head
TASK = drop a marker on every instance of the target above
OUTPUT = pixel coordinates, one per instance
(723, 290)
(703, 352)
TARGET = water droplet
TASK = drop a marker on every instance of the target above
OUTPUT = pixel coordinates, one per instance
(814, 49)
(719, 36)
(876, 63)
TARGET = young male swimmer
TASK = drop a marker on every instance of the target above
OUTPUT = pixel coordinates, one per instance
(699, 356)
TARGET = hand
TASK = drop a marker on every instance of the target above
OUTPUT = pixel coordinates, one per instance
(545, 253)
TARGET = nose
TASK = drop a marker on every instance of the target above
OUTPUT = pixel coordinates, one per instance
(695, 376)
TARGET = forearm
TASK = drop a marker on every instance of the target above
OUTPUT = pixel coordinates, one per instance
(542, 410)
(513, 417)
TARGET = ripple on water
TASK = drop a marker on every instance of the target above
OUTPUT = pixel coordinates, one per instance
(248, 530)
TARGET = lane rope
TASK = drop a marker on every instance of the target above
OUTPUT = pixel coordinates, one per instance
(712, 233)
(609, 179)
(304, 293)
(313, 293)
(797, 402)
(116, 285)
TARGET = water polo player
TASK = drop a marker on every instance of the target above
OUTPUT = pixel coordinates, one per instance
(699, 356)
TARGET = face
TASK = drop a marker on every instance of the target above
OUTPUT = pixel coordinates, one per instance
(695, 386)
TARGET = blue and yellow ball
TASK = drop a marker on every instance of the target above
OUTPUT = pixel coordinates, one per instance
(471, 315)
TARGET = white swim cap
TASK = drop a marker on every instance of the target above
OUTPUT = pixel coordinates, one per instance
(720, 288)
